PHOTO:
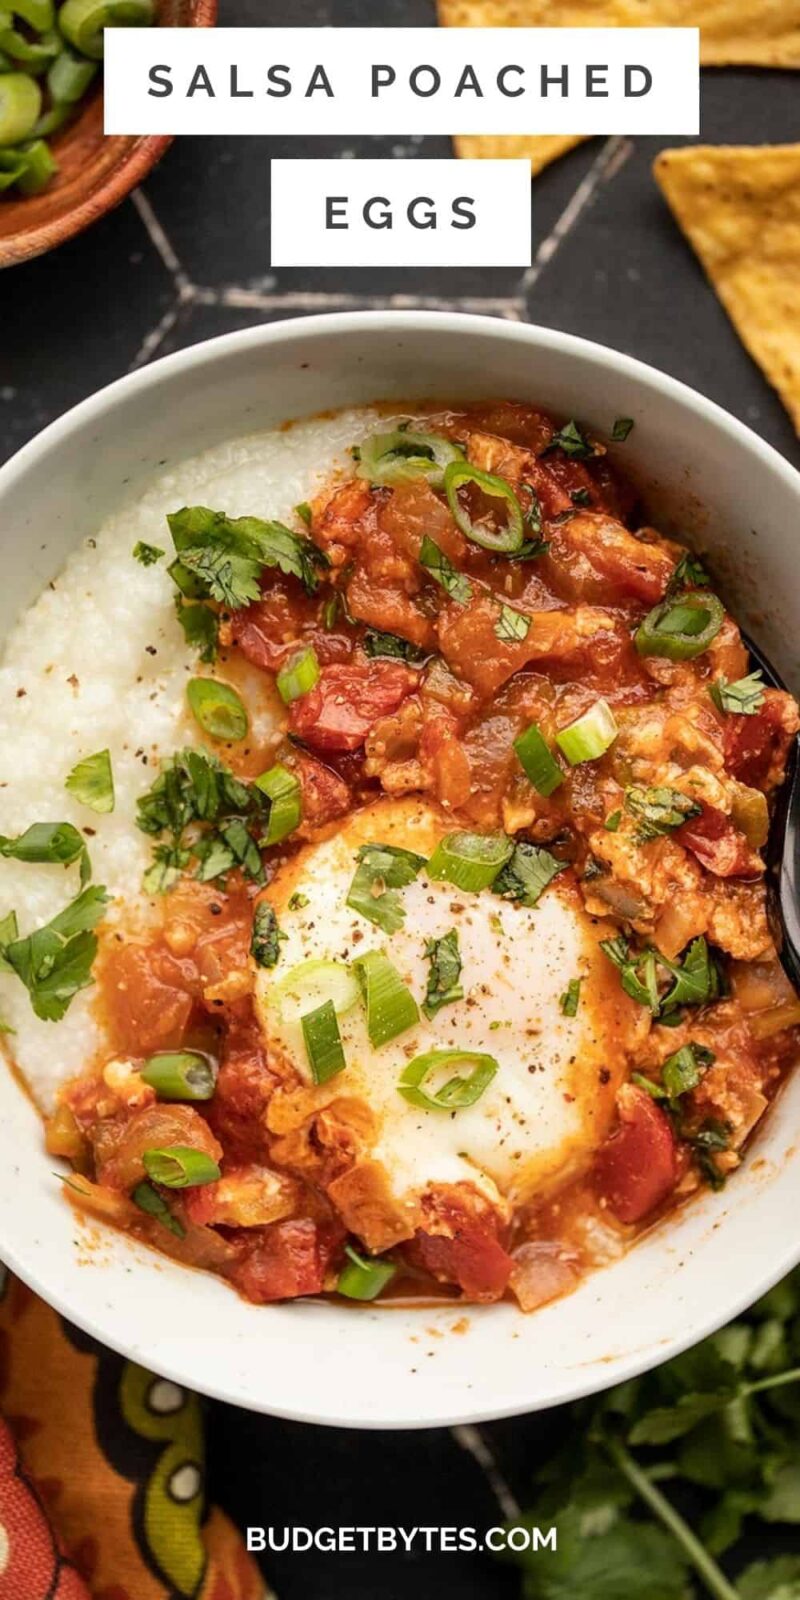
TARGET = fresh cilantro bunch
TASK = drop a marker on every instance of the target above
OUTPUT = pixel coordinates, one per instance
(201, 813)
(657, 1484)
(694, 979)
(222, 558)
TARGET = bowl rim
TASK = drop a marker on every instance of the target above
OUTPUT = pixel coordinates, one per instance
(294, 333)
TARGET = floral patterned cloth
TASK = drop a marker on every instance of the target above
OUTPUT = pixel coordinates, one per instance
(102, 1475)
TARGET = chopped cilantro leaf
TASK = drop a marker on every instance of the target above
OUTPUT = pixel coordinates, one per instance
(572, 441)
(512, 626)
(147, 554)
(200, 628)
(445, 971)
(526, 874)
(658, 811)
(265, 944)
(688, 574)
(382, 870)
(224, 557)
(622, 427)
(454, 583)
(55, 961)
(745, 696)
(195, 788)
(92, 782)
(375, 643)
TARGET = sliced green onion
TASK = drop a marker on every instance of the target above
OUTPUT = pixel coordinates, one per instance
(34, 55)
(218, 709)
(391, 1007)
(304, 512)
(39, 14)
(12, 167)
(612, 821)
(589, 736)
(53, 843)
(148, 1199)
(470, 860)
(681, 629)
(402, 456)
(570, 999)
(92, 782)
(178, 1166)
(51, 121)
(457, 1093)
(69, 78)
(82, 21)
(20, 105)
(537, 762)
(323, 1042)
(180, 1075)
(364, 1277)
(504, 539)
(298, 675)
(282, 788)
(40, 167)
(309, 985)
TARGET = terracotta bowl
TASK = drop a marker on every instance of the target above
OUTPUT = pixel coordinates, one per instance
(95, 172)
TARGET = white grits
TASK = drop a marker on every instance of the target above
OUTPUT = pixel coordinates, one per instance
(103, 663)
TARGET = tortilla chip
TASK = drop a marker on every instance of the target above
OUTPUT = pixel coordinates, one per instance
(739, 207)
(539, 148)
(755, 33)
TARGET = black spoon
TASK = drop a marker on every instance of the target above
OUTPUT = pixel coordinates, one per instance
(783, 847)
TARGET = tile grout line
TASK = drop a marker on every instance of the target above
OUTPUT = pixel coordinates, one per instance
(162, 245)
(472, 1441)
(149, 346)
(607, 163)
(321, 300)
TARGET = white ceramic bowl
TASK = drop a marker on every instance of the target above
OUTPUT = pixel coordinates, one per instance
(705, 475)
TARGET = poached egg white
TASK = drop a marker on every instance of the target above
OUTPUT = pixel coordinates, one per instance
(551, 1100)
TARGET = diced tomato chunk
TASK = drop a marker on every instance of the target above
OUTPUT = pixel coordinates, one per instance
(286, 1260)
(325, 794)
(756, 745)
(339, 711)
(244, 1085)
(267, 631)
(718, 845)
(464, 1249)
(636, 1169)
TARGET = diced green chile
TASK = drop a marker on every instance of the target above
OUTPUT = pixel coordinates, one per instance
(506, 538)
(682, 628)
